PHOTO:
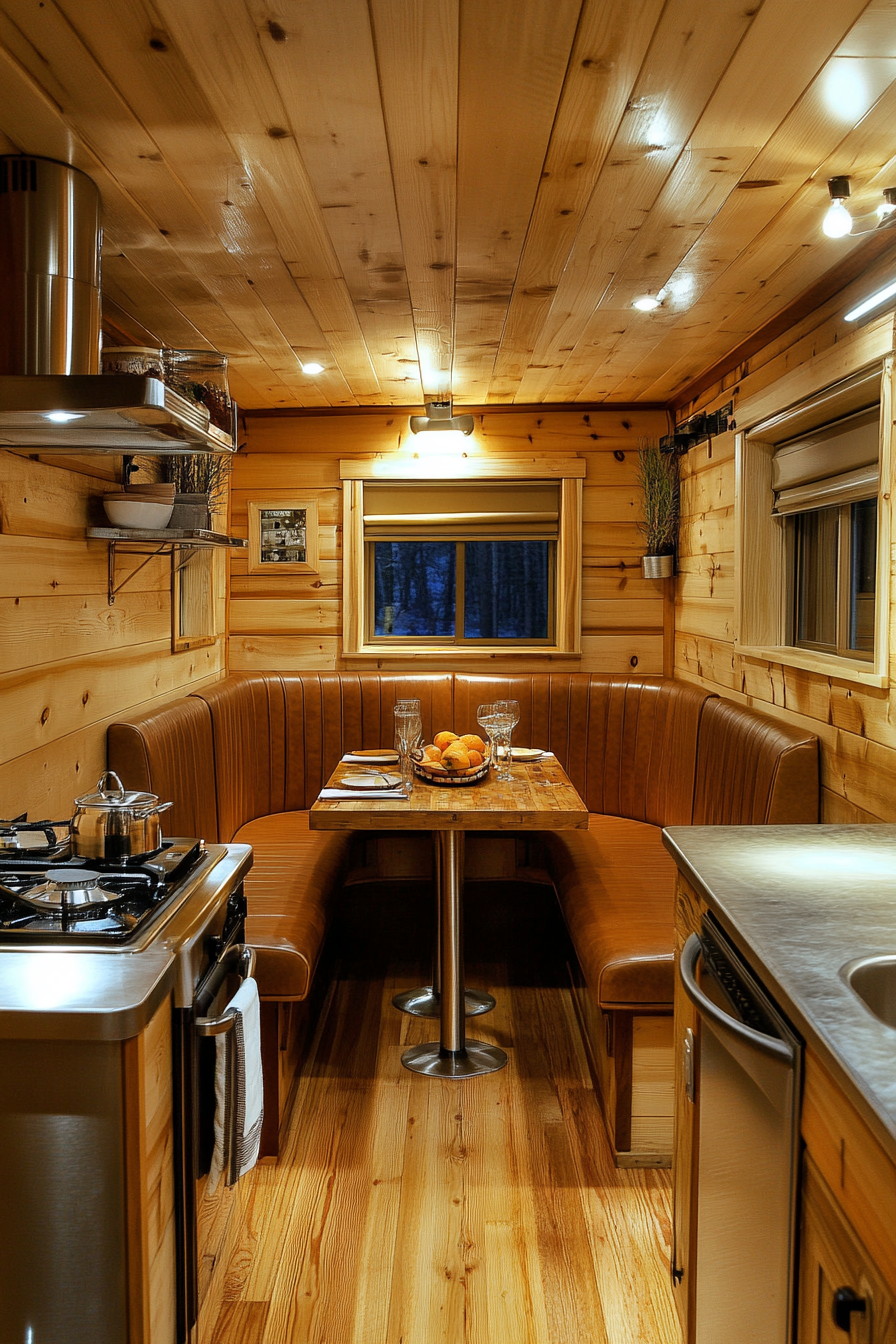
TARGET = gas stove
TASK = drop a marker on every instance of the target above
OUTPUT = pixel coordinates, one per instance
(58, 899)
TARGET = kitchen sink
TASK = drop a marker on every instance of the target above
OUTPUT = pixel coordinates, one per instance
(873, 979)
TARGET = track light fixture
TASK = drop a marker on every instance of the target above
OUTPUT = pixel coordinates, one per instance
(440, 416)
(839, 223)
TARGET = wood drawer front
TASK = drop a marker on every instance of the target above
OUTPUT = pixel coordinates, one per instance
(853, 1163)
(832, 1258)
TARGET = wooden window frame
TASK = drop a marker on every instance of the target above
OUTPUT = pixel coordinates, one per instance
(763, 609)
(357, 616)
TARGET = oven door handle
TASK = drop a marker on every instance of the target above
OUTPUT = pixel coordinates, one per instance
(245, 956)
(687, 968)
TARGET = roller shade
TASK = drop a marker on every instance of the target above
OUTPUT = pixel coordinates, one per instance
(461, 510)
(828, 466)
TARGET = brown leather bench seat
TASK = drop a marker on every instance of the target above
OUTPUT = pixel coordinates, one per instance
(644, 753)
(244, 760)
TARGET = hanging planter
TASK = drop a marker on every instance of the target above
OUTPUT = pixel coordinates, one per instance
(659, 482)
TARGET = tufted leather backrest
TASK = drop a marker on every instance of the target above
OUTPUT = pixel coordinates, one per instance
(628, 744)
(329, 713)
(753, 770)
(648, 748)
(279, 736)
(169, 751)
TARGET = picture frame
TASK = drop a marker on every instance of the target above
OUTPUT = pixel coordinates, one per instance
(283, 536)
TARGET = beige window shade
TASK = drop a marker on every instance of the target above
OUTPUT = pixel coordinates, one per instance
(859, 392)
(461, 510)
(831, 492)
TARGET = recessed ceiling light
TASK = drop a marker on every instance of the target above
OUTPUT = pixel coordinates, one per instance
(62, 417)
(312, 368)
(647, 302)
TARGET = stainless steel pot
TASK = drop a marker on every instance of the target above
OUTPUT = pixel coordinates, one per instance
(116, 823)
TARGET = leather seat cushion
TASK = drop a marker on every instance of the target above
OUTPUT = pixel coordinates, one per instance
(616, 887)
(289, 890)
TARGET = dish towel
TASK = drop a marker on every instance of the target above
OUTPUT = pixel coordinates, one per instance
(239, 1103)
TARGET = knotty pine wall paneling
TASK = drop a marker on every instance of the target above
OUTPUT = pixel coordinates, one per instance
(287, 623)
(70, 663)
(856, 723)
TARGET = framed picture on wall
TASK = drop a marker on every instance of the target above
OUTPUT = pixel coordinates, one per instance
(283, 537)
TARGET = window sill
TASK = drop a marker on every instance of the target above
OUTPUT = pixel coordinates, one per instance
(443, 651)
(824, 664)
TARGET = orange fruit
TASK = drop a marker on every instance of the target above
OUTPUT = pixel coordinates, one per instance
(474, 741)
(476, 757)
(444, 739)
(456, 757)
(431, 753)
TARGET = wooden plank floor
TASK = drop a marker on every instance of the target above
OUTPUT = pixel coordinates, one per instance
(413, 1211)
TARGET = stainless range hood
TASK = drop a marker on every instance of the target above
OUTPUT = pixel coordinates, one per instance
(52, 397)
(103, 413)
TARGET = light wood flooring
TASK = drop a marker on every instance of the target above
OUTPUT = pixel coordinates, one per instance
(414, 1211)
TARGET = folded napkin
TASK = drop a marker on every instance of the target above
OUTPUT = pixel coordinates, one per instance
(362, 793)
(389, 758)
(239, 1107)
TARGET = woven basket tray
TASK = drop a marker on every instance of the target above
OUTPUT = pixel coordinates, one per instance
(453, 779)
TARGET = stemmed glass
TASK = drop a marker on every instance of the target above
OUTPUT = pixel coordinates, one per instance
(485, 717)
(408, 737)
(505, 718)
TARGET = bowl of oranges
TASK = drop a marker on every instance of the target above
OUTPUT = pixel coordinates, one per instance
(453, 759)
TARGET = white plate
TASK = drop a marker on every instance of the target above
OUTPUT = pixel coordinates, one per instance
(370, 783)
(526, 753)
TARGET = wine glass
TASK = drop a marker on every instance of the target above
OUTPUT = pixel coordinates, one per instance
(506, 717)
(408, 737)
(485, 717)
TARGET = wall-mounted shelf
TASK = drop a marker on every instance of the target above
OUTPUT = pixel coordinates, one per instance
(134, 541)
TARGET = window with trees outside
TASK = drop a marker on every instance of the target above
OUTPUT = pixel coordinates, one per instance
(470, 564)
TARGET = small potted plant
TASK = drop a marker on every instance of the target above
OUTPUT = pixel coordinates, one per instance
(658, 479)
(200, 480)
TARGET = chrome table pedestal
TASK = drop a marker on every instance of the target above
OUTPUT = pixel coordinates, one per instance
(427, 1002)
(452, 1056)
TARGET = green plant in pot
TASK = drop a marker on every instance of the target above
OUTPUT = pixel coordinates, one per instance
(659, 482)
(200, 481)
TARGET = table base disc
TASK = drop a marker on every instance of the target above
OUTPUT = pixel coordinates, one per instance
(425, 1003)
(476, 1059)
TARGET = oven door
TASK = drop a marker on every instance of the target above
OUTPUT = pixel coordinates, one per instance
(194, 1131)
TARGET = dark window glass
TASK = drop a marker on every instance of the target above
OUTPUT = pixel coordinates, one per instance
(506, 589)
(817, 547)
(862, 574)
(414, 588)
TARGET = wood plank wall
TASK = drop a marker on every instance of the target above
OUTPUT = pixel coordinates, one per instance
(295, 623)
(856, 724)
(69, 663)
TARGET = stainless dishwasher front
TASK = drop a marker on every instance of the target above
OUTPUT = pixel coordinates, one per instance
(746, 1065)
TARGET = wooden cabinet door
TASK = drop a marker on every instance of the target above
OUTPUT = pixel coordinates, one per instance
(832, 1260)
(688, 912)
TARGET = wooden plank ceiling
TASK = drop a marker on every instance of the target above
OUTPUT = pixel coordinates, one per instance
(457, 195)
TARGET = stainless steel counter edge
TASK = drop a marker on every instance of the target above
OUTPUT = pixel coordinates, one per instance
(799, 902)
(110, 994)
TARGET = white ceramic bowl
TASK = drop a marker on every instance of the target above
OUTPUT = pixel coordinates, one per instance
(137, 513)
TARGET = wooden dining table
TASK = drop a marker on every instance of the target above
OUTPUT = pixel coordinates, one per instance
(540, 797)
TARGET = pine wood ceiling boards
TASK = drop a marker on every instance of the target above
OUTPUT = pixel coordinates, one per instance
(458, 195)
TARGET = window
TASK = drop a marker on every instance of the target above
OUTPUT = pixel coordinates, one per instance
(812, 541)
(833, 579)
(826, 484)
(470, 564)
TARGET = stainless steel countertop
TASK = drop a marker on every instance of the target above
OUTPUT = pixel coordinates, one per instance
(799, 902)
(110, 993)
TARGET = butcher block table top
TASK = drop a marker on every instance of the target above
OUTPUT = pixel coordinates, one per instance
(540, 798)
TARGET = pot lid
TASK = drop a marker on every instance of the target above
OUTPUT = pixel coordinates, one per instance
(115, 795)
